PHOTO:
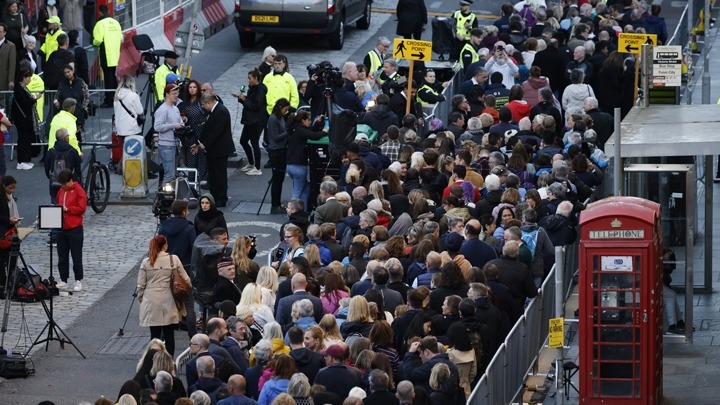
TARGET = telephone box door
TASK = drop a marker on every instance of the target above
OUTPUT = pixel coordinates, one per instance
(617, 317)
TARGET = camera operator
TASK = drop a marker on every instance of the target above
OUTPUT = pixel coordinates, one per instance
(317, 87)
(180, 235)
(167, 120)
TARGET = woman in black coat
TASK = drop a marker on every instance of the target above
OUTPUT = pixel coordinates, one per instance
(23, 113)
(73, 86)
(208, 217)
(297, 156)
(254, 118)
(411, 16)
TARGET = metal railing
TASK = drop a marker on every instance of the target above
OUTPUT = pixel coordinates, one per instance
(505, 376)
(98, 127)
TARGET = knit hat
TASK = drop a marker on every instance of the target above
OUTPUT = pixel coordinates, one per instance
(454, 242)
(225, 262)
(227, 307)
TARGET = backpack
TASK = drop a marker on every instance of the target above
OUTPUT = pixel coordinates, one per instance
(477, 345)
(60, 162)
(530, 239)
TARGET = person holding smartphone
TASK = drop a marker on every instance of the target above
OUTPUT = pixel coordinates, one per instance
(254, 119)
(500, 62)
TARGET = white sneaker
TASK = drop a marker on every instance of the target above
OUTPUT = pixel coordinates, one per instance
(247, 168)
(77, 287)
(254, 172)
(30, 165)
(61, 285)
(23, 166)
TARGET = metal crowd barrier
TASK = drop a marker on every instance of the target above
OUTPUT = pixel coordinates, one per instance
(98, 127)
(504, 378)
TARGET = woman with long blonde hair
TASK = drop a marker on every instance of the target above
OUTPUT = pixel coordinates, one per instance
(252, 298)
(312, 254)
(358, 320)
(246, 270)
(329, 325)
(158, 309)
(267, 279)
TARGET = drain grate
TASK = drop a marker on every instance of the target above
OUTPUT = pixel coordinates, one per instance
(129, 343)
(252, 208)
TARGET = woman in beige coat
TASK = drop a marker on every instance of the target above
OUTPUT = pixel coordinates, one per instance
(158, 308)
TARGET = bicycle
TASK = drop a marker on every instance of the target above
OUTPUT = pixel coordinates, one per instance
(97, 180)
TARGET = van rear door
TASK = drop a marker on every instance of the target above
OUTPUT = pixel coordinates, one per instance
(260, 12)
(305, 13)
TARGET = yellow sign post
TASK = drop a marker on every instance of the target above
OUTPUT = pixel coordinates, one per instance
(632, 43)
(557, 333)
(412, 50)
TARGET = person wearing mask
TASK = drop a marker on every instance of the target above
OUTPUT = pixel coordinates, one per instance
(254, 119)
(73, 200)
(277, 152)
(107, 35)
(9, 218)
(167, 120)
(297, 158)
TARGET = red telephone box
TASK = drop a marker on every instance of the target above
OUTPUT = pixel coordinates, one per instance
(621, 313)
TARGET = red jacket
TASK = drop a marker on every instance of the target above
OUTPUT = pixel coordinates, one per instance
(74, 201)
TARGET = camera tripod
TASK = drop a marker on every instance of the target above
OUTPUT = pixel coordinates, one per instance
(54, 332)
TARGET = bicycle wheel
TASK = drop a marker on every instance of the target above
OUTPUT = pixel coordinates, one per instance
(99, 188)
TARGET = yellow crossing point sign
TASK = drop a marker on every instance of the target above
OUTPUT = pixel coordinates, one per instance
(557, 332)
(632, 43)
(412, 50)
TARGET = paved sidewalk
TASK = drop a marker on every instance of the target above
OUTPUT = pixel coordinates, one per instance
(115, 241)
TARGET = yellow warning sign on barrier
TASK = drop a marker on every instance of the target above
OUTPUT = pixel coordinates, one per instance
(412, 50)
(557, 332)
(632, 43)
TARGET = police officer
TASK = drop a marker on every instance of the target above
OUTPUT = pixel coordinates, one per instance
(375, 57)
(430, 91)
(107, 35)
(169, 66)
(465, 21)
(468, 53)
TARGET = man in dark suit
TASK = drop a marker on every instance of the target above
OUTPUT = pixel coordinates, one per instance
(298, 285)
(307, 361)
(232, 343)
(332, 209)
(552, 62)
(379, 394)
(199, 347)
(516, 276)
(225, 288)
(216, 140)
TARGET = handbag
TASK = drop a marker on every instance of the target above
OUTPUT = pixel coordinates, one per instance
(6, 240)
(179, 288)
(140, 118)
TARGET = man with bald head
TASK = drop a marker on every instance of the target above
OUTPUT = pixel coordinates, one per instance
(516, 276)
(199, 348)
(298, 283)
(477, 252)
(236, 386)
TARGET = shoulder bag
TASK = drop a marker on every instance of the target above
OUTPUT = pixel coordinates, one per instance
(179, 288)
(140, 118)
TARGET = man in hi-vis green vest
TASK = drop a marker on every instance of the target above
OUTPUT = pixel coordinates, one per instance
(465, 21)
(107, 35)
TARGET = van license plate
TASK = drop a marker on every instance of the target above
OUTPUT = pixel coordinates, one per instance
(265, 19)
